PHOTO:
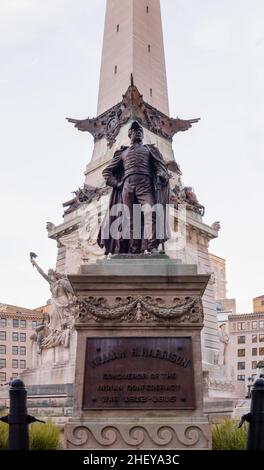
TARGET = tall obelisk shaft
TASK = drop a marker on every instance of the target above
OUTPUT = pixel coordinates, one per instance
(133, 43)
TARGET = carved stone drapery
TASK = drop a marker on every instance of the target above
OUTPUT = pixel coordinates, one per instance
(139, 309)
(132, 106)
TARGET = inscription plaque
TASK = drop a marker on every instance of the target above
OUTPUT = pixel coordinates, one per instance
(139, 373)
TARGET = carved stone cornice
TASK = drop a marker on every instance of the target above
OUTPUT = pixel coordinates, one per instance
(38, 316)
(140, 309)
(132, 106)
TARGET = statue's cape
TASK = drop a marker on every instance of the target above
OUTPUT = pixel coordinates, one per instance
(162, 193)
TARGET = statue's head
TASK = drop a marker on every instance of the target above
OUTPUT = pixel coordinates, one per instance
(135, 132)
(52, 275)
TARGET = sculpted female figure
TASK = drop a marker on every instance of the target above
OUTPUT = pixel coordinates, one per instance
(62, 305)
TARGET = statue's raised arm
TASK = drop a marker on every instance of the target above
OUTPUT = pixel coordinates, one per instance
(33, 257)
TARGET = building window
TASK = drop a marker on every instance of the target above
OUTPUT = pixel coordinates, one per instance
(254, 325)
(261, 324)
(261, 338)
(241, 352)
(15, 336)
(3, 335)
(2, 363)
(2, 376)
(3, 322)
(117, 28)
(115, 69)
(241, 325)
(149, 48)
(241, 365)
(15, 323)
(23, 323)
(15, 350)
(151, 92)
(254, 351)
(254, 364)
(23, 337)
(22, 350)
(241, 339)
(219, 309)
(261, 351)
(2, 349)
(34, 325)
(241, 378)
(254, 339)
(14, 363)
(262, 303)
(22, 364)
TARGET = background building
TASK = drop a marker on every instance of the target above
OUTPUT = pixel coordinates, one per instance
(226, 306)
(223, 304)
(16, 326)
(258, 304)
(218, 266)
(246, 344)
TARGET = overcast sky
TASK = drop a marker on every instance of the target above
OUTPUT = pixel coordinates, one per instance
(50, 55)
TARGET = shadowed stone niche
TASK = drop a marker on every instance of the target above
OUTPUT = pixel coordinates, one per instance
(138, 380)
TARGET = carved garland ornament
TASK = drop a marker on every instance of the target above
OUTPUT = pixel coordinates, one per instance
(140, 309)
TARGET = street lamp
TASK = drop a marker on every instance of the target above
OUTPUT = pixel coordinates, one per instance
(249, 386)
(260, 367)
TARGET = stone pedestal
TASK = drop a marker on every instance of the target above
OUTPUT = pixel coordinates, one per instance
(49, 382)
(138, 379)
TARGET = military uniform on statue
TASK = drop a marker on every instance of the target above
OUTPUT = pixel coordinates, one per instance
(138, 175)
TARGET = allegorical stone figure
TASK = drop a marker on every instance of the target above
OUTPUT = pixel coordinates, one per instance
(224, 340)
(140, 180)
(57, 331)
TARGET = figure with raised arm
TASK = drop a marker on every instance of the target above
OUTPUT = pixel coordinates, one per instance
(62, 307)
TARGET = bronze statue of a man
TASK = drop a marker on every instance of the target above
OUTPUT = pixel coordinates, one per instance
(139, 176)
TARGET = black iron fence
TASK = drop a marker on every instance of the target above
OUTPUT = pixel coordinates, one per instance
(18, 419)
(255, 418)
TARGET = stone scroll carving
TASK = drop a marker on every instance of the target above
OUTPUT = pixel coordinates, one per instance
(143, 309)
(134, 436)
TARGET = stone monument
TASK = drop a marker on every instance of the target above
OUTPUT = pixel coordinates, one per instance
(138, 379)
(133, 87)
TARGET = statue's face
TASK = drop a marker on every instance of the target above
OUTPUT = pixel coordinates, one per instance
(136, 135)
